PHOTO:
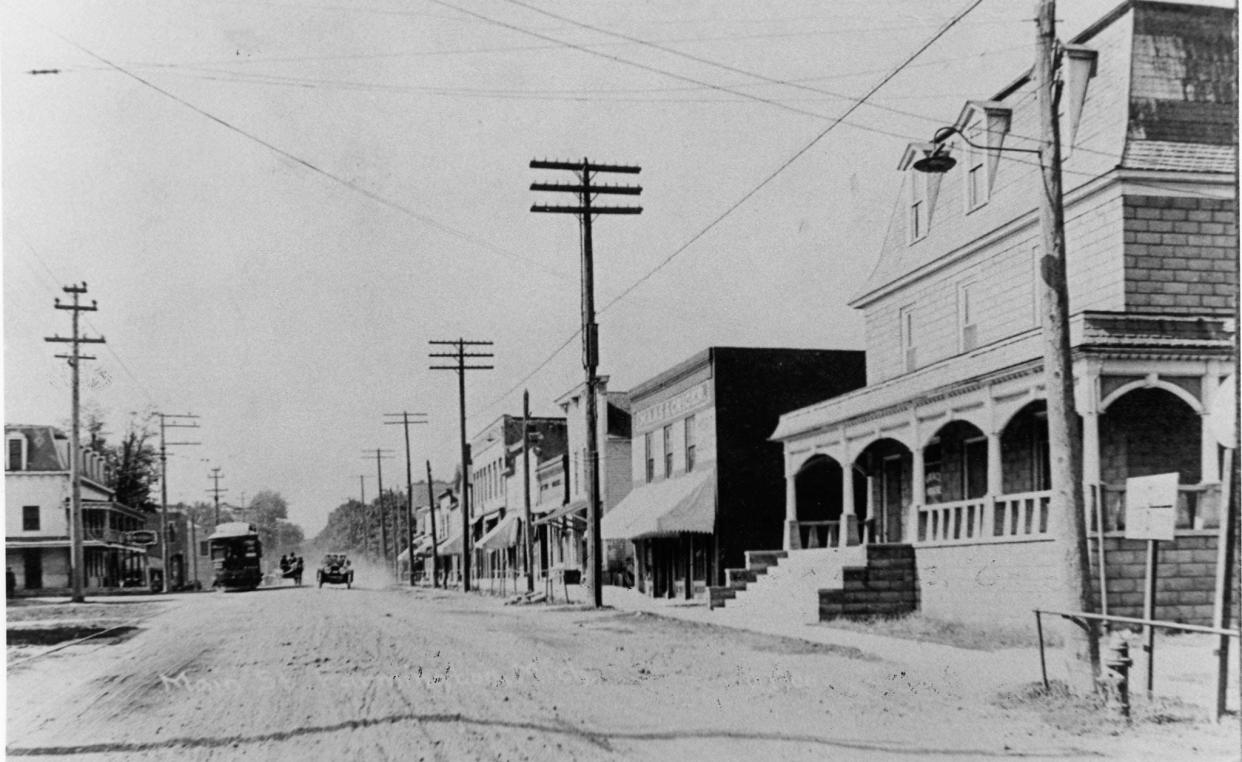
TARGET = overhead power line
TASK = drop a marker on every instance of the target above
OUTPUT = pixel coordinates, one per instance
(395, 206)
(755, 189)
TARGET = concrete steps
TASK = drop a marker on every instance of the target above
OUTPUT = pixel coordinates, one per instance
(788, 589)
(887, 585)
(757, 564)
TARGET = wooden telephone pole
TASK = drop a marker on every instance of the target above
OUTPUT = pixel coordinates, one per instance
(164, 424)
(381, 455)
(585, 211)
(405, 423)
(461, 367)
(1064, 438)
(74, 359)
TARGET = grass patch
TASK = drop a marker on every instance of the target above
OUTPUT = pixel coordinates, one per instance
(972, 636)
(1065, 710)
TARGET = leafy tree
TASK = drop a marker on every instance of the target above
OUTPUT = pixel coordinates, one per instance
(269, 512)
(135, 466)
(204, 513)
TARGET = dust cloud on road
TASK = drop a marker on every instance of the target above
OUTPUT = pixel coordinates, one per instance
(371, 673)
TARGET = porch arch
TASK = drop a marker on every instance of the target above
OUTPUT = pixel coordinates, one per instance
(887, 468)
(1152, 383)
(817, 487)
(1024, 450)
(1151, 429)
(955, 462)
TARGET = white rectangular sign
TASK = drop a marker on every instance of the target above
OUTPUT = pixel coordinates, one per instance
(1151, 507)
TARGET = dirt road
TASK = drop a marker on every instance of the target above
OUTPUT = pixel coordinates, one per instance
(337, 674)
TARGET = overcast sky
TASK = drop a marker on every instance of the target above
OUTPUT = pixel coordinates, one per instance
(277, 204)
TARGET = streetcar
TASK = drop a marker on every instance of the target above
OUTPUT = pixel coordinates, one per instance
(236, 556)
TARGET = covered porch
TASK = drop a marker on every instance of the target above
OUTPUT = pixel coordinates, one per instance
(970, 463)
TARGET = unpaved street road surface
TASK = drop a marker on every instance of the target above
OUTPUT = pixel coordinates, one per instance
(375, 674)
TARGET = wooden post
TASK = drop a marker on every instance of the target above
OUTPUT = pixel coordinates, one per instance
(1149, 613)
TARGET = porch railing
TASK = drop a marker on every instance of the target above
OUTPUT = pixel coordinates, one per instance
(819, 534)
(985, 518)
(1198, 507)
(101, 534)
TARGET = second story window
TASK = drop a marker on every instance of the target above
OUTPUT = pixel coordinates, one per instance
(649, 455)
(689, 443)
(668, 451)
(909, 351)
(30, 518)
(967, 320)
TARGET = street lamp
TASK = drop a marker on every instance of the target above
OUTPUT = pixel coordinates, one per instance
(937, 160)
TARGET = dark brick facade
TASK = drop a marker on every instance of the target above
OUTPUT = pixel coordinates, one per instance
(1181, 255)
(1185, 577)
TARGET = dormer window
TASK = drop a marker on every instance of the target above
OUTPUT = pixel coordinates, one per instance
(16, 460)
(978, 185)
(919, 213)
(923, 189)
(985, 124)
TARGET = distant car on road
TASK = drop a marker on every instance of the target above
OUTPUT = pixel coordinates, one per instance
(335, 570)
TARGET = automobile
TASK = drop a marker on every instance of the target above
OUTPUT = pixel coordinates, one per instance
(335, 570)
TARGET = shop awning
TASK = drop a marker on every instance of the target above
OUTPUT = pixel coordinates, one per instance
(681, 504)
(450, 547)
(503, 535)
(568, 509)
(422, 547)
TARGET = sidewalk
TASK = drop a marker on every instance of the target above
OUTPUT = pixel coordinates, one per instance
(1185, 666)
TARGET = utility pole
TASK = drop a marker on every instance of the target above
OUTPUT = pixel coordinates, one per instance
(215, 490)
(1064, 438)
(366, 516)
(528, 545)
(461, 367)
(382, 454)
(74, 358)
(435, 543)
(164, 424)
(584, 210)
(409, 483)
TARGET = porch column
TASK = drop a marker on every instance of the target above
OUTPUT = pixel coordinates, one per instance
(792, 540)
(849, 520)
(876, 526)
(996, 479)
(1209, 454)
(917, 496)
(1091, 467)
(996, 485)
(1209, 473)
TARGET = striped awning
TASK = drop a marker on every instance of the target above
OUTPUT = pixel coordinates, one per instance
(503, 535)
(684, 503)
(450, 547)
(567, 510)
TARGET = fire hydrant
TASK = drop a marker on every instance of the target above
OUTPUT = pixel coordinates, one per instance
(1116, 678)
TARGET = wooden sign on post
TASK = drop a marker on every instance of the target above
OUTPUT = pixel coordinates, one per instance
(1151, 514)
(1151, 507)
